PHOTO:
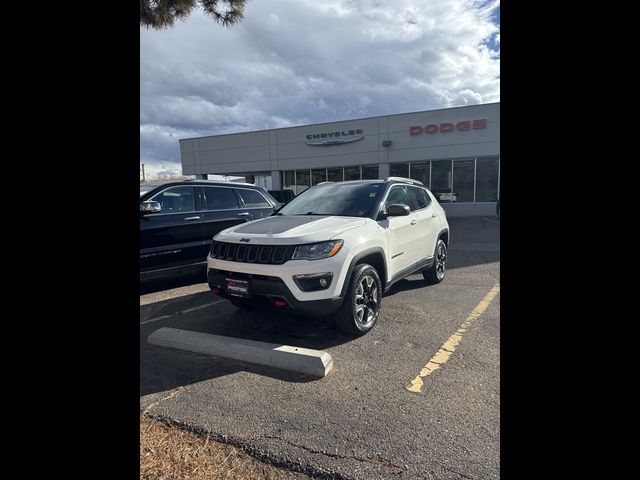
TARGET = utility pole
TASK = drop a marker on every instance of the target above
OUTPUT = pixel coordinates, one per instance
(143, 177)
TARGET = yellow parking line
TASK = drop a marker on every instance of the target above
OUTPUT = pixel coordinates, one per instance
(448, 347)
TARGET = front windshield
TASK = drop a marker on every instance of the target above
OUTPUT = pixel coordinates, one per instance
(341, 199)
(145, 188)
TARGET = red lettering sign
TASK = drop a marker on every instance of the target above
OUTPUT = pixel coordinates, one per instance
(463, 126)
(445, 127)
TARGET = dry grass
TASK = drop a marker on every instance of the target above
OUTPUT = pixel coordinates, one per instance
(167, 452)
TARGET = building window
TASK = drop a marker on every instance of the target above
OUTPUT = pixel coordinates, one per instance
(463, 171)
(369, 172)
(441, 180)
(318, 175)
(302, 181)
(351, 173)
(421, 172)
(487, 179)
(334, 174)
(289, 180)
(399, 170)
(461, 180)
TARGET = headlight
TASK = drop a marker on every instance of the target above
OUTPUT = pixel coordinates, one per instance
(317, 251)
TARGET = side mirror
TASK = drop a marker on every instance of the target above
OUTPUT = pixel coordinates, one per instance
(150, 206)
(397, 210)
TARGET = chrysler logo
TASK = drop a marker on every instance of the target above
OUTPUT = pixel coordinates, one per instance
(245, 240)
(335, 138)
(334, 141)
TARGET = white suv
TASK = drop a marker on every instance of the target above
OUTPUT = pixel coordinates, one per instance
(333, 249)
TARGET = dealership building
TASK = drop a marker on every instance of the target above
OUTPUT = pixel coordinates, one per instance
(453, 151)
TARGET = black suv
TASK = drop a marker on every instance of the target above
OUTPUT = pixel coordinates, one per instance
(179, 219)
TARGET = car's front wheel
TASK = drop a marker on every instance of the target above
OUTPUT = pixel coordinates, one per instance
(361, 306)
(437, 271)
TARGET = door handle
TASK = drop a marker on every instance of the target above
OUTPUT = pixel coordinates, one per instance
(197, 217)
(433, 214)
(414, 221)
(243, 214)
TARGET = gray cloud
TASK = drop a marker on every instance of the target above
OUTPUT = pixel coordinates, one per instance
(292, 62)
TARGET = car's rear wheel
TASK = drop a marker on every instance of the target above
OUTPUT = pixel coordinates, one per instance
(436, 272)
(361, 306)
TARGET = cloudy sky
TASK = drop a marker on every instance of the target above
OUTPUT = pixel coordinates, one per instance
(295, 62)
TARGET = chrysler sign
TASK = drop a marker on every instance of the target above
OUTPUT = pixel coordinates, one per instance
(335, 138)
(448, 127)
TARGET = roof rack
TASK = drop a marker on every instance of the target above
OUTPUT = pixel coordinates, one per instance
(403, 179)
(211, 180)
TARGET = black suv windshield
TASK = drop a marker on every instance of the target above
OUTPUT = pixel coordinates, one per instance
(146, 187)
(341, 199)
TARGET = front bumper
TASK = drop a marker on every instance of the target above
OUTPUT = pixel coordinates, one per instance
(265, 289)
(337, 265)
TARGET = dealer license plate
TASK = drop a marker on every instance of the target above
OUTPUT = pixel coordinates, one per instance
(239, 288)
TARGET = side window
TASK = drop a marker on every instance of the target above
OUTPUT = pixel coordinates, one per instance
(397, 195)
(419, 198)
(219, 198)
(177, 199)
(413, 199)
(253, 199)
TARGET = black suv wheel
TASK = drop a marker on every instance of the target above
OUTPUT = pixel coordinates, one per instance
(361, 306)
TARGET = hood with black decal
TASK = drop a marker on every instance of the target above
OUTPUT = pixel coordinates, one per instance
(289, 229)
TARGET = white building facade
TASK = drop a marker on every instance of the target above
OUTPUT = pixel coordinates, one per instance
(453, 151)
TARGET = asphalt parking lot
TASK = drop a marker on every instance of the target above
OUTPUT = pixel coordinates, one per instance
(360, 421)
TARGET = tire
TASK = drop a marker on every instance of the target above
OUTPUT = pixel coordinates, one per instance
(242, 305)
(360, 309)
(436, 272)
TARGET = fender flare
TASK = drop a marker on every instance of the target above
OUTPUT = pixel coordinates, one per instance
(445, 230)
(360, 256)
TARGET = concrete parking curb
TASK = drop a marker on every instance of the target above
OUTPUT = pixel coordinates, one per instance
(316, 363)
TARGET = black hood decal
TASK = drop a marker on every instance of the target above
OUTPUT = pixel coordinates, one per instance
(278, 224)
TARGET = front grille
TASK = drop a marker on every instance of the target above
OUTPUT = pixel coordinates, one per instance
(244, 276)
(266, 254)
